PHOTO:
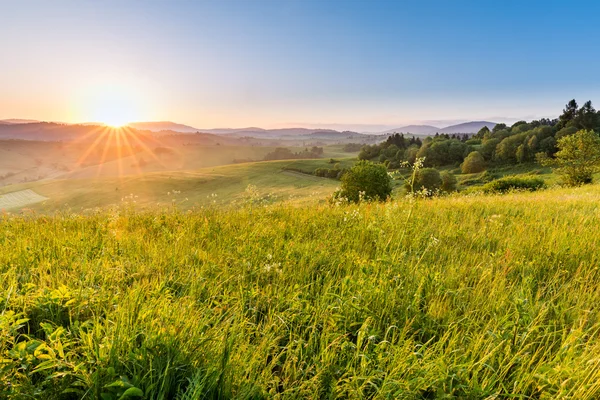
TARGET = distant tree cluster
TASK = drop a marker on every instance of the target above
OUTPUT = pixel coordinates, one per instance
(334, 173)
(352, 147)
(283, 153)
(393, 151)
(519, 143)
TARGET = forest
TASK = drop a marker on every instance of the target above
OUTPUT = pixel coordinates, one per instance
(521, 142)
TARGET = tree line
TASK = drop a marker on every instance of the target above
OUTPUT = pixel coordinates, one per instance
(519, 143)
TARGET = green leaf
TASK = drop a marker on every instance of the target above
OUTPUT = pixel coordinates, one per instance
(119, 384)
(132, 392)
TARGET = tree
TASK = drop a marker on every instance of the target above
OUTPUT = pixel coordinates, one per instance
(488, 148)
(586, 116)
(483, 132)
(366, 181)
(448, 182)
(473, 163)
(499, 127)
(577, 158)
(426, 178)
(569, 113)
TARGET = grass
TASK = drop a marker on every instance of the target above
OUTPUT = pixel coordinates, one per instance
(460, 297)
(222, 185)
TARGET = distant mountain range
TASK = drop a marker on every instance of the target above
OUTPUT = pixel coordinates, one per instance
(255, 132)
(17, 121)
(163, 126)
(467, 127)
(421, 130)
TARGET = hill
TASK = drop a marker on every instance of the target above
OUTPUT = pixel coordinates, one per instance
(467, 297)
(18, 121)
(220, 185)
(415, 129)
(467, 127)
(163, 126)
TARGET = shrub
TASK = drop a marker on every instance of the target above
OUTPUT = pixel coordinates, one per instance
(509, 183)
(426, 178)
(365, 181)
(473, 163)
(577, 159)
(448, 182)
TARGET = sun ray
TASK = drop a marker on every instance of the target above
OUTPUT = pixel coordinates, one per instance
(92, 147)
(129, 147)
(119, 155)
(105, 152)
(148, 150)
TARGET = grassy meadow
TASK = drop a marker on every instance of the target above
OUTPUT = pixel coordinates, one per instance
(467, 297)
(222, 185)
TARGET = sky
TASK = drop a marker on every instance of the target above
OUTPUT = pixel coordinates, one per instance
(364, 65)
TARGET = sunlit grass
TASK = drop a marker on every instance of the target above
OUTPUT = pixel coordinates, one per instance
(462, 297)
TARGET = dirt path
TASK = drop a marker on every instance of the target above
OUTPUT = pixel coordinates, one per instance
(20, 199)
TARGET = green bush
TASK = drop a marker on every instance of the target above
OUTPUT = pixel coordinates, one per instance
(577, 159)
(473, 163)
(365, 181)
(426, 178)
(448, 182)
(509, 183)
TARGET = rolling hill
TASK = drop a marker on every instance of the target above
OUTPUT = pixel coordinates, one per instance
(163, 126)
(467, 127)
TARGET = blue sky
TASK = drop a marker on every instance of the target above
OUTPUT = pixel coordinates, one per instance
(354, 63)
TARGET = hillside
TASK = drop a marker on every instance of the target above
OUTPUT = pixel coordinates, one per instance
(467, 127)
(163, 126)
(467, 297)
(221, 185)
(415, 130)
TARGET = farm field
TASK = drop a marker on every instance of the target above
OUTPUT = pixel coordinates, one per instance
(466, 296)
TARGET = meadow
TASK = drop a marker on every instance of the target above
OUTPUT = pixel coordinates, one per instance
(468, 297)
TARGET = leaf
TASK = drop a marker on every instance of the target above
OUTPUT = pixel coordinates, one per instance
(119, 384)
(132, 392)
(44, 366)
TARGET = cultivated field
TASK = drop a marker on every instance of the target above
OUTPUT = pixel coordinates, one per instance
(461, 297)
(20, 199)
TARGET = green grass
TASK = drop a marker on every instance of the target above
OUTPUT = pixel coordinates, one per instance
(222, 185)
(461, 297)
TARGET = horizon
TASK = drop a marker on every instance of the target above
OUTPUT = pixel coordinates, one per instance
(296, 63)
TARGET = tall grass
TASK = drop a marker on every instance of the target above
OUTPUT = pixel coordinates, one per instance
(461, 297)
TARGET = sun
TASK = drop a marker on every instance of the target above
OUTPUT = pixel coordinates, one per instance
(115, 122)
(112, 105)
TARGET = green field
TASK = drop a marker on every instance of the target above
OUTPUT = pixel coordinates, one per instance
(458, 297)
(221, 185)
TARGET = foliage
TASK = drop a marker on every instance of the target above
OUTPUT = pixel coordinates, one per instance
(448, 182)
(284, 153)
(352, 147)
(578, 157)
(428, 179)
(334, 173)
(365, 181)
(473, 163)
(393, 149)
(510, 183)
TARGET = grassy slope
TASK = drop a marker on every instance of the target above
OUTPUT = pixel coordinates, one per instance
(218, 185)
(468, 297)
